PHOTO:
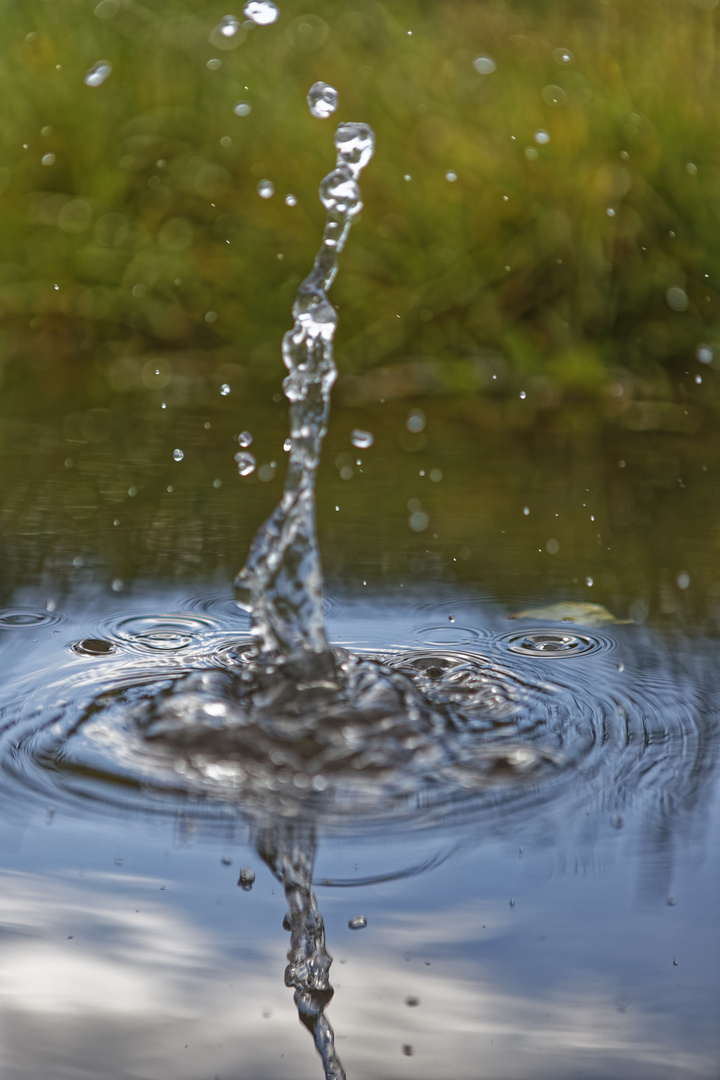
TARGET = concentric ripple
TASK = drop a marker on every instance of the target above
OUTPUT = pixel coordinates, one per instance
(554, 644)
(418, 734)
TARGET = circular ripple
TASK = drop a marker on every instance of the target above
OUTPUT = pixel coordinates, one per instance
(450, 634)
(164, 633)
(26, 618)
(553, 644)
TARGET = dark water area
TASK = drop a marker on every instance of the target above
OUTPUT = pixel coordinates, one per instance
(481, 839)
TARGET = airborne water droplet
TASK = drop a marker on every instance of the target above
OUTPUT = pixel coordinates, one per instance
(266, 189)
(242, 108)
(178, 455)
(484, 65)
(225, 389)
(361, 439)
(541, 137)
(562, 56)
(245, 463)
(261, 12)
(246, 879)
(322, 99)
(245, 438)
(228, 26)
(358, 922)
(98, 73)
(290, 200)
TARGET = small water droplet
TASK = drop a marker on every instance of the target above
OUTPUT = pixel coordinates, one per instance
(675, 962)
(407, 177)
(246, 879)
(554, 95)
(245, 463)
(523, 395)
(562, 56)
(451, 618)
(226, 861)
(245, 438)
(225, 389)
(526, 510)
(484, 65)
(415, 421)
(178, 455)
(451, 177)
(621, 667)
(322, 100)
(98, 73)
(290, 200)
(261, 12)
(228, 26)
(358, 922)
(589, 582)
(407, 1050)
(266, 189)
(676, 298)
(242, 108)
(214, 65)
(210, 316)
(691, 169)
(361, 439)
(552, 546)
(118, 585)
(541, 137)
(704, 354)
(683, 580)
(48, 159)
(512, 902)
(531, 153)
(671, 901)
(698, 379)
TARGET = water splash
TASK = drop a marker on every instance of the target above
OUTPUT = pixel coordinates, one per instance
(281, 582)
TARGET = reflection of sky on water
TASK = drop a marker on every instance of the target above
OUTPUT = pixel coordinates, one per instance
(161, 966)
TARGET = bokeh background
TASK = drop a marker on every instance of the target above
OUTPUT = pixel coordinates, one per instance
(529, 307)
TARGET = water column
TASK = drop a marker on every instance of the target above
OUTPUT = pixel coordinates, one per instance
(281, 583)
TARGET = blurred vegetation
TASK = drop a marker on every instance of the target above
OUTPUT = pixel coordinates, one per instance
(575, 257)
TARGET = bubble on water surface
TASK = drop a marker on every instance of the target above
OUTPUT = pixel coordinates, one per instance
(484, 65)
(266, 189)
(358, 922)
(322, 100)
(361, 439)
(98, 73)
(261, 12)
(245, 463)
(178, 455)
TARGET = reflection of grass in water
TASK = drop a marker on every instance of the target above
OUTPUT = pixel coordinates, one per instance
(133, 218)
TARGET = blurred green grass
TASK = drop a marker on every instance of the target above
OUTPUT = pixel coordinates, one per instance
(579, 270)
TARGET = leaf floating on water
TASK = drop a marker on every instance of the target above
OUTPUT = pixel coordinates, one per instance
(573, 612)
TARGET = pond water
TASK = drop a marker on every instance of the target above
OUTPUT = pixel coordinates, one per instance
(455, 813)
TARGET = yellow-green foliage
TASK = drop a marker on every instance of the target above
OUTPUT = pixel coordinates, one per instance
(543, 260)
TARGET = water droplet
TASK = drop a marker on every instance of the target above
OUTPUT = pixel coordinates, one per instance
(246, 879)
(436, 475)
(415, 421)
(451, 177)
(214, 65)
(107, 9)
(361, 439)
(541, 137)
(210, 316)
(245, 463)
(675, 962)
(339, 192)
(671, 901)
(610, 212)
(266, 189)
(48, 159)
(118, 585)
(451, 618)
(552, 546)
(178, 455)
(290, 200)
(225, 389)
(562, 56)
(512, 902)
(589, 582)
(526, 510)
(287, 446)
(704, 354)
(683, 580)
(523, 395)
(358, 922)
(677, 298)
(407, 177)
(531, 153)
(355, 144)
(691, 169)
(322, 99)
(245, 438)
(228, 26)
(418, 521)
(261, 12)
(98, 73)
(413, 1002)
(698, 379)
(407, 1050)
(554, 95)
(484, 65)
(242, 108)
